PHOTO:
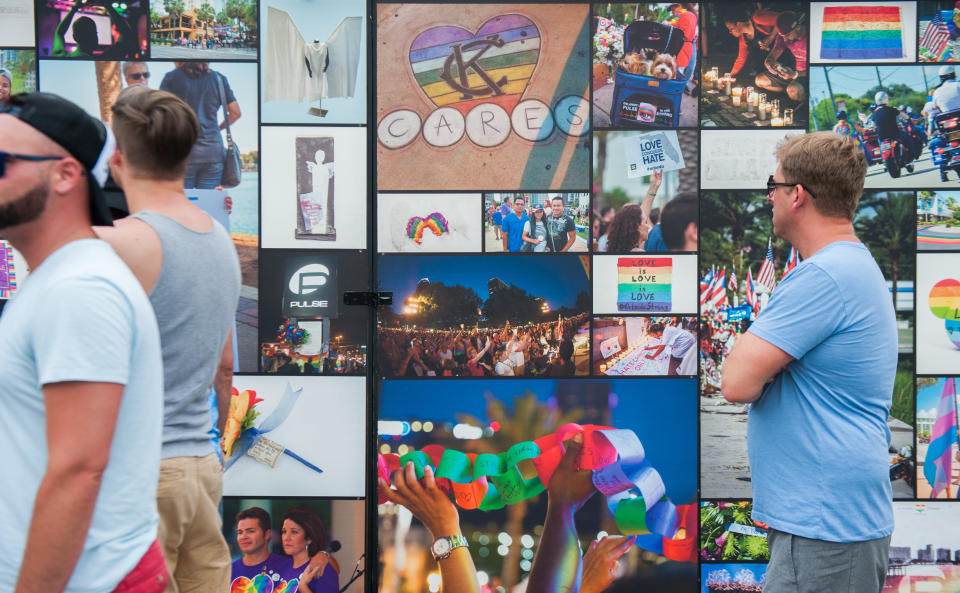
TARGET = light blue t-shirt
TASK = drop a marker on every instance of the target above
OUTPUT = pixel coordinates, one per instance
(82, 316)
(818, 437)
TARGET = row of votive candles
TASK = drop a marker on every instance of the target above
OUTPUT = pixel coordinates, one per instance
(748, 99)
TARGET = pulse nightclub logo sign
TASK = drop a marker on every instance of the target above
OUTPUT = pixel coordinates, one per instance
(311, 290)
(476, 81)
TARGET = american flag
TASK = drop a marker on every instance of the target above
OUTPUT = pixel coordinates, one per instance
(732, 283)
(936, 36)
(792, 260)
(765, 277)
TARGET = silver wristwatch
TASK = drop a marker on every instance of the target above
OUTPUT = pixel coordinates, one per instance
(442, 546)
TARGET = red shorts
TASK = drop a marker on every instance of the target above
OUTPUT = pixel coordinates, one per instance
(148, 576)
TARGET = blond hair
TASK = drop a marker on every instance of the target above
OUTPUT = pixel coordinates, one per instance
(830, 166)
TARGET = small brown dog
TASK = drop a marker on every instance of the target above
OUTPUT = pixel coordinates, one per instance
(664, 67)
(634, 64)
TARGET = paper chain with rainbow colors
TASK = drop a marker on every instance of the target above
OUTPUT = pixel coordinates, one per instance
(635, 492)
(435, 222)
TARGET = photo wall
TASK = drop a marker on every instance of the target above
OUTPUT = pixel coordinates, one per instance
(567, 204)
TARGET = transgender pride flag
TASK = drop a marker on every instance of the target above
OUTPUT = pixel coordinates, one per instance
(938, 464)
(861, 33)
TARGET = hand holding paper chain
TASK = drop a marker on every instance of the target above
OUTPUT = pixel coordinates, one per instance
(635, 492)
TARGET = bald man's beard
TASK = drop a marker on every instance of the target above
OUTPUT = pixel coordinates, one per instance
(26, 208)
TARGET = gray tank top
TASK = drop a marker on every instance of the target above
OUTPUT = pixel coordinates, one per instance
(194, 298)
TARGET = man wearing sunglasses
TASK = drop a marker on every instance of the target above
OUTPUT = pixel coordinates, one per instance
(136, 73)
(82, 381)
(818, 364)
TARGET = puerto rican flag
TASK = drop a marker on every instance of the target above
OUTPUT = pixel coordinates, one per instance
(751, 294)
(792, 260)
(766, 275)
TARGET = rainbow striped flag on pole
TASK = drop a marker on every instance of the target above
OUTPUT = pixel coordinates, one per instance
(938, 464)
(861, 33)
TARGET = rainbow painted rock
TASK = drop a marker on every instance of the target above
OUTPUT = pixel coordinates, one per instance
(945, 299)
(460, 69)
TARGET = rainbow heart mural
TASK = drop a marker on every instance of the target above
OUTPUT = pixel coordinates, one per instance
(436, 222)
(460, 69)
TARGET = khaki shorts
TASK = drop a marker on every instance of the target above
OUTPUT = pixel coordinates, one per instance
(188, 501)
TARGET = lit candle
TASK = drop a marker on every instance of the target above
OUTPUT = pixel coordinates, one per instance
(728, 81)
(747, 93)
(775, 108)
(776, 122)
(715, 75)
(737, 91)
(736, 100)
(788, 117)
(762, 110)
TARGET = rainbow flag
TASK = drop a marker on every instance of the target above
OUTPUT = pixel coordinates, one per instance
(938, 464)
(8, 276)
(460, 69)
(644, 283)
(861, 33)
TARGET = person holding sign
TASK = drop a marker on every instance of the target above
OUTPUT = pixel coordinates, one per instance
(818, 364)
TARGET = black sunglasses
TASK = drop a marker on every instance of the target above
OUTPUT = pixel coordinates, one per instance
(139, 75)
(4, 156)
(772, 186)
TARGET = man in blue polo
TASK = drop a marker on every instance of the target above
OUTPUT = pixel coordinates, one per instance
(818, 365)
(512, 229)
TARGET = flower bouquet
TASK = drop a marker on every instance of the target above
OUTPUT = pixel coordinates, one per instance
(728, 533)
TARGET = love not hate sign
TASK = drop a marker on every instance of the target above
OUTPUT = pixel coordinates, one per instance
(644, 284)
(653, 151)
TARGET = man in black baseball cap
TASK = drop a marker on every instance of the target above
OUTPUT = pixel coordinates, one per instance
(82, 378)
(85, 138)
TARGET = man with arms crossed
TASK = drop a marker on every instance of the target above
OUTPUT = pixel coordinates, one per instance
(82, 405)
(188, 266)
(818, 365)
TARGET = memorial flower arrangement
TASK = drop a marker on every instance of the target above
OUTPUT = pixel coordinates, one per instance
(728, 533)
(240, 417)
(608, 42)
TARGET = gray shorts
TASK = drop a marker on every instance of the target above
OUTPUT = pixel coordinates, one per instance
(803, 565)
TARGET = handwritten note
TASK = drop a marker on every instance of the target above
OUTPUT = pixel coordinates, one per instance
(644, 283)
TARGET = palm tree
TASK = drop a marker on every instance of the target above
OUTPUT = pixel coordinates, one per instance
(109, 84)
(689, 142)
(890, 233)
(730, 221)
(205, 14)
(175, 9)
(528, 421)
